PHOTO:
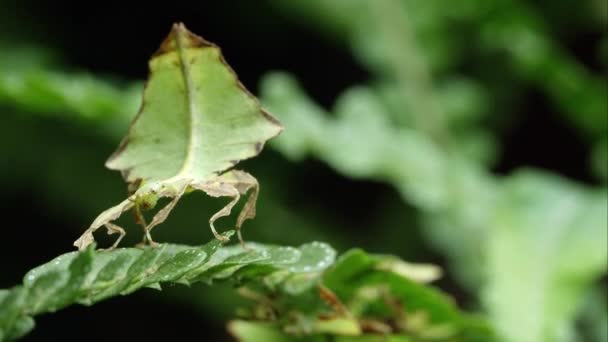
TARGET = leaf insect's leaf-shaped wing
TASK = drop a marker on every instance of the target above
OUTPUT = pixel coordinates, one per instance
(196, 118)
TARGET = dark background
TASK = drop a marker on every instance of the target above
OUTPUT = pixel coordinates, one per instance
(116, 39)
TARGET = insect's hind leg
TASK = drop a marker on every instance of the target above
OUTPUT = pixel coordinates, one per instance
(245, 183)
(233, 184)
(218, 188)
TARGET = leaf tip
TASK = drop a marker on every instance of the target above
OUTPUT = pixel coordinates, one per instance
(273, 120)
(186, 38)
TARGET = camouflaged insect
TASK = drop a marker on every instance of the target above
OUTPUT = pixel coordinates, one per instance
(195, 123)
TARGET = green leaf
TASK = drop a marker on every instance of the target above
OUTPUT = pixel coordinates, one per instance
(548, 246)
(361, 280)
(398, 155)
(438, 183)
(359, 298)
(246, 331)
(196, 118)
(307, 289)
(471, 215)
(381, 43)
(593, 319)
(12, 323)
(89, 276)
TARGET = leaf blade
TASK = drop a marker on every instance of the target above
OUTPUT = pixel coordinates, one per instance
(192, 99)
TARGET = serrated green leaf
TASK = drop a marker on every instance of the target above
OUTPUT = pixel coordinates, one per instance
(470, 234)
(12, 323)
(90, 276)
(295, 268)
(350, 303)
(291, 273)
(20, 328)
(196, 119)
(427, 313)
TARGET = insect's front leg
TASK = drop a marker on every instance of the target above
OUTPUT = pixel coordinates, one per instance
(103, 219)
(148, 201)
(144, 197)
(138, 216)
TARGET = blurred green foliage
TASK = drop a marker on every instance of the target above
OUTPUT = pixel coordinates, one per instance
(445, 82)
(369, 288)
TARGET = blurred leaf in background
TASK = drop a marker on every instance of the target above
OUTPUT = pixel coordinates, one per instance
(429, 152)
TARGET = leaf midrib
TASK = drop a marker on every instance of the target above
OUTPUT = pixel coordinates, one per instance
(193, 119)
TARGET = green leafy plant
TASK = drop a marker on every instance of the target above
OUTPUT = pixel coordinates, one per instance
(446, 87)
(87, 277)
(196, 122)
(297, 291)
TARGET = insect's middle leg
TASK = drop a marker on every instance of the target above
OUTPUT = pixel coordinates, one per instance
(233, 184)
(245, 183)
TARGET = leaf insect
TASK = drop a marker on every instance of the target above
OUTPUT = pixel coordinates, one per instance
(196, 122)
